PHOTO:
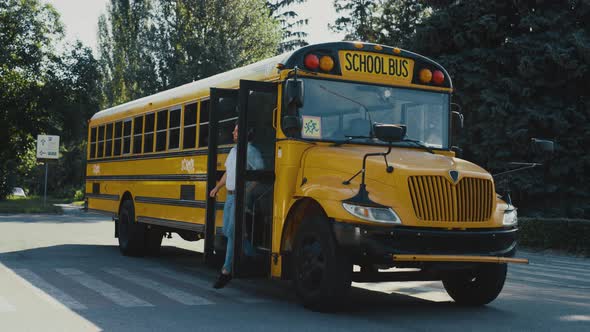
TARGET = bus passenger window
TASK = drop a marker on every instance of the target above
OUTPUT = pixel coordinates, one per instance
(174, 130)
(161, 132)
(118, 134)
(190, 126)
(109, 141)
(127, 136)
(204, 124)
(92, 143)
(137, 131)
(227, 115)
(148, 136)
(100, 151)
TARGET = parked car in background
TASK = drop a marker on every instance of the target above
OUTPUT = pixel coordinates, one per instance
(19, 192)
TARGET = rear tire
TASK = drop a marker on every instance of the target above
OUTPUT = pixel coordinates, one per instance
(131, 233)
(478, 286)
(322, 273)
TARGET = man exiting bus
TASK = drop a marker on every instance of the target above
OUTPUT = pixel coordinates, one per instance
(254, 161)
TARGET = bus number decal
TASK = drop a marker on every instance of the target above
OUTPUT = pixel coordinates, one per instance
(187, 165)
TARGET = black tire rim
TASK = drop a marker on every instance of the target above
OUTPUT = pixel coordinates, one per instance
(311, 264)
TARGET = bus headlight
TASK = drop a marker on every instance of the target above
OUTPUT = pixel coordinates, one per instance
(383, 215)
(510, 217)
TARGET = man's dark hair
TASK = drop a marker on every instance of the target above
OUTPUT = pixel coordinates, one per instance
(250, 135)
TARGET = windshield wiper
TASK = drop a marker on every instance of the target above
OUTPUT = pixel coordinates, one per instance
(419, 144)
(348, 139)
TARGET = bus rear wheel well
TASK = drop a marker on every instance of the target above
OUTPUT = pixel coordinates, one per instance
(302, 209)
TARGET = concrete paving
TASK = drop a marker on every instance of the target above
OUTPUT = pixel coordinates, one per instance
(65, 273)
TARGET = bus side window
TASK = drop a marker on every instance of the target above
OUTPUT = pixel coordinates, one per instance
(204, 124)
(118, 134)
(148, 134)
(127, 136)
(109, 141)
(162, 127)
(92, 143)
(100, 151)
(174, 130)
(137, 131)
(190, 126)
(227, 114)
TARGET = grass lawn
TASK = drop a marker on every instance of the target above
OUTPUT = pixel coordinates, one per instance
(33, 204)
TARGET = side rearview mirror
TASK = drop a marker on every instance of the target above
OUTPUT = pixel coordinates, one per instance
(389, 133)
(294, 92)
(542, 146)
(458, 121)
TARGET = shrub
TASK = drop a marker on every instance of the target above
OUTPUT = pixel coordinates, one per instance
(572, 235)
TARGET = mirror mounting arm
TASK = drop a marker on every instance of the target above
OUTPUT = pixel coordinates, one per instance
(388, 168)
(523, 167)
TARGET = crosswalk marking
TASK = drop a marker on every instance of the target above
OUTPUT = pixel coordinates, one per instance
(5, 306)
(53, 292)
(40, 289)
(112, 293)
(194, 281)
(168, 291)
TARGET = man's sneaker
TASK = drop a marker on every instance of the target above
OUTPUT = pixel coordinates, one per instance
(222, 280)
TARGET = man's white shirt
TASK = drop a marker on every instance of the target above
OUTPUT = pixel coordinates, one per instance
(254, 161)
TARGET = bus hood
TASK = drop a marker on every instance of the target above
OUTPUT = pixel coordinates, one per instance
(347, 160)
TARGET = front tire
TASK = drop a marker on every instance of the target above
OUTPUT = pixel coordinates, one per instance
(478, 286)
(131, 233)
(322, 273)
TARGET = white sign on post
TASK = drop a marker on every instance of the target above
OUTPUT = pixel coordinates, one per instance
(47, 147)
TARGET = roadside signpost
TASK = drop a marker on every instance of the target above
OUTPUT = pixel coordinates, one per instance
(47, 148)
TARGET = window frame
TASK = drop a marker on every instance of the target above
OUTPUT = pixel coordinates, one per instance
(93, 142)
(127, 120)
(101, 141)
(178, 109)
(109, 139)
(164, 130)
(195, 125)
(198, 143)
(140, 134)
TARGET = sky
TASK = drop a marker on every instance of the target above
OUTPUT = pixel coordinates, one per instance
(80, 19)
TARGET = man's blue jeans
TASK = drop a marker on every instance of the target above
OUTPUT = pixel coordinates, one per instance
(229, 217)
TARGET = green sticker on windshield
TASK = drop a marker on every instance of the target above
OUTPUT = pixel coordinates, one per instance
(312, 127)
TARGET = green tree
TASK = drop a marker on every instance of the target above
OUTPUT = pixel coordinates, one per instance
(388, 22)
(520, 70)
(399, 20)
(290, 22)
(149, 46)
(127, 61)
(359, 20)
(28, 31)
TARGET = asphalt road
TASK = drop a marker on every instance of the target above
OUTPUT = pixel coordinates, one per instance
(65, 273)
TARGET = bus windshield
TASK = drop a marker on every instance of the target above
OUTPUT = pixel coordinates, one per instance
(344, 111)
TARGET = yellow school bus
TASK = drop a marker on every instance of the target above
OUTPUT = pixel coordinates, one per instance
(359, 170)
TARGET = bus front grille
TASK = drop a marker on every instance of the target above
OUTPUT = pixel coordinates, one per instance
(437, 199)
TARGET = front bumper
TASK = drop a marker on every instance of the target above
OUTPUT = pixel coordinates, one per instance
(380, 244)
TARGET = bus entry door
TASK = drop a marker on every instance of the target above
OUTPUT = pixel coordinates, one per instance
(219, 120)
(255, 178)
